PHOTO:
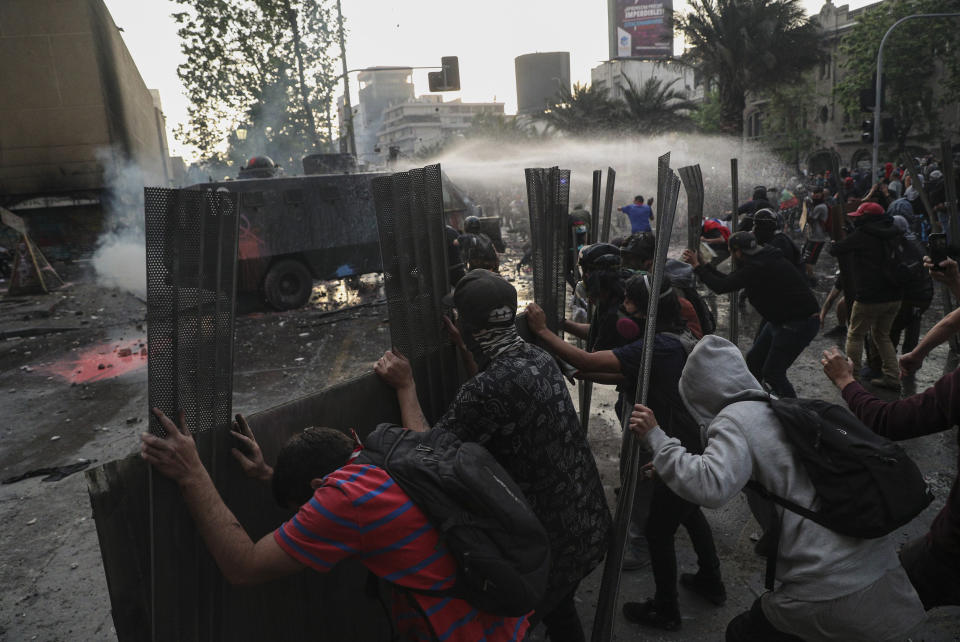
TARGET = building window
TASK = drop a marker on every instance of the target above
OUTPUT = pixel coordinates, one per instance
(825, 68)
(755, 125)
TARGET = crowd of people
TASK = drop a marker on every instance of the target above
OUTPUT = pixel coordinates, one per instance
(704, 440)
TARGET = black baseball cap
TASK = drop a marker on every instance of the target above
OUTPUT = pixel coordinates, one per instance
(746, 242)
(484, 299)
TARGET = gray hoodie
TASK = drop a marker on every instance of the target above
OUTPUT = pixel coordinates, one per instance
(744, 441)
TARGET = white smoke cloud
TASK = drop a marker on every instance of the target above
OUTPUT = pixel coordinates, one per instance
(120, 260)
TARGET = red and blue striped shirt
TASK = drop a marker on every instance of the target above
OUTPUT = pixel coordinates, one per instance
(360, 512)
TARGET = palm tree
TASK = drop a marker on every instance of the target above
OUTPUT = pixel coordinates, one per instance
(656, 107)
(585, 110)
(748, 45)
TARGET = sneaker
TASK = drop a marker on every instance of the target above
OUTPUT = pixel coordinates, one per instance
(647, 614)
(886, 382)
(711, 590)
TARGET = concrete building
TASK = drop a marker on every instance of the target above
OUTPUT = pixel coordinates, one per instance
(72, 101)
(540, 79)
(379, 89)
(837, 132)
(428, 120)
(613, 74)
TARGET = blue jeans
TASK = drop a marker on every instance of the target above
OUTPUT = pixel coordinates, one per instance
(776, 347)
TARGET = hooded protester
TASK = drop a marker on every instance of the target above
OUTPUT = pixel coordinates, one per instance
(602, 285)
(828, 586)
(637, 252)
(667, 511)
(767, 230)
(876, 295)
(782, 297)
(518, 407)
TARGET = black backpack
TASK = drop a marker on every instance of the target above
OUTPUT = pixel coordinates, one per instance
(501, 548)
(866, 484)
(902, 265)
(481, 249)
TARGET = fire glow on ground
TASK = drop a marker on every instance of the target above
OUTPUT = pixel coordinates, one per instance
(105, 361)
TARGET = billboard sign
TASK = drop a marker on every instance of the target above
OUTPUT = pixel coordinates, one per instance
(644, 28)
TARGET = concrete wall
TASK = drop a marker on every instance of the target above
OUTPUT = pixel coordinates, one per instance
(69, 89)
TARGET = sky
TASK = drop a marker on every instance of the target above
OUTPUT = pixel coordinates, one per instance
(486, 35)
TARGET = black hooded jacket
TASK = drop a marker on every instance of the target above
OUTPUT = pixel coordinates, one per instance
(869, 248)
(773, 285)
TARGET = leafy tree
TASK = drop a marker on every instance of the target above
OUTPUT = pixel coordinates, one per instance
(748, 45)
(584, 111)
(912, 55)
(706, 115)
(786, 117)
(655, 107)
(500, 128)
(259, 65)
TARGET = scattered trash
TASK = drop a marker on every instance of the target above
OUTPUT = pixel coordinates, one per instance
(55, 437)
(73, 565)
(26, 368)
(299, 359)
(32, 521)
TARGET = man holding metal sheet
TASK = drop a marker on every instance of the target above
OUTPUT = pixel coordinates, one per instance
(782, 297)
(828, 586)
(672, 343)
(346, 510)
(518, 407)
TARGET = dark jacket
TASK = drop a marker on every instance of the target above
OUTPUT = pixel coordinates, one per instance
(869, 247)
(773, 286)
(934, 410)
(787, 247)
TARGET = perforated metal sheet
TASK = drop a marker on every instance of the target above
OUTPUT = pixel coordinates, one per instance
(692, 179)
(608, 205)
(191, 239)
(548, 199)
(663, 166)
(414, 256)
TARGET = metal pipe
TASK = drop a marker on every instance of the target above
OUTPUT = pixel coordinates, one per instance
(875, 163)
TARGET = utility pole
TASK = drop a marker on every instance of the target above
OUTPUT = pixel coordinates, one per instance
(348, 107)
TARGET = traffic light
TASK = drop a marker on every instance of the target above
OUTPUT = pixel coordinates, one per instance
(866, 131)
(448, 78)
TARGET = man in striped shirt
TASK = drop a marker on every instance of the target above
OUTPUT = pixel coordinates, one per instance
(346, 511)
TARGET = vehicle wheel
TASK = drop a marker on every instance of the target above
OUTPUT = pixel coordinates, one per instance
(288, 285)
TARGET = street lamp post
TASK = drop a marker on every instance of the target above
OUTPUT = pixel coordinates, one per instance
(879, 88)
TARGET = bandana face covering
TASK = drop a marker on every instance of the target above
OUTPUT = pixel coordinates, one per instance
(487, 343)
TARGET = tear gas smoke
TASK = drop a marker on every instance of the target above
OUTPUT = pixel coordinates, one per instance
(490, 169)
(120, 260)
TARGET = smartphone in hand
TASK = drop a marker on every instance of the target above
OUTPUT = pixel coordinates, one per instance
(937, 244)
